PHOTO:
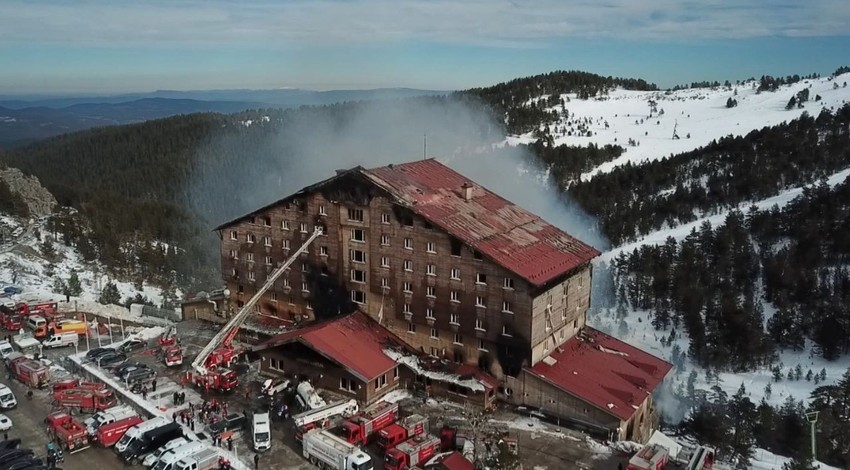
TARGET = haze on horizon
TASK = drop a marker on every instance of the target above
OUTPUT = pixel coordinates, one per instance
(120, 46)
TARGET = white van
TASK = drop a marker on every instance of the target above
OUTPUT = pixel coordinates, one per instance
(36, 321)
(261, 432)
(170, 458)
(138, 431)
(108, 416)
(7, 398)
(5, 349)
(153, 458)
(62, 339)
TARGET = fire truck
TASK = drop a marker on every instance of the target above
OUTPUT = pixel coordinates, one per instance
(401, 431)
(320, 417)
(702, 459)
(30, 372)
(651, 457)
(108, 434)
(412, 452)
(360, 429)
(75, 383)
(210, 366)
(173, 356)
(85, 400)
(70, 433)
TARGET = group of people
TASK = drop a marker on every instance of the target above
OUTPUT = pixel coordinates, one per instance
(178, 398)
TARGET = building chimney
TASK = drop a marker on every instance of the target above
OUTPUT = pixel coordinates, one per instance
(466, 190)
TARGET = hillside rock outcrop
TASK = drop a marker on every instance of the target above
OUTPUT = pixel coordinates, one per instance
(37, 198)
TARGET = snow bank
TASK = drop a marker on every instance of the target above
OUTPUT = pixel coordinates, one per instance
(413, 363)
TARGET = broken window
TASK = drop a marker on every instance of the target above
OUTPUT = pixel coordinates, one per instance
(355, 215)
(456, 246)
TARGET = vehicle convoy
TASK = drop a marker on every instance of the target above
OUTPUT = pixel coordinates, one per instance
(153, 457)
(412, 452)
(85, 400)
(401, 431)
(138, 430)
(210, 365)
(261, 432)
(108, 416)
(323, 448)
(109, 434)
(361, 428)
(30, 372)
(70, 433)
(320, 417)
(137, 450)
(204, 460)
(169, 459)
(650, 457)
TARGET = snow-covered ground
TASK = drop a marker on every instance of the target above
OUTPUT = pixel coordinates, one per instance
(29, 270)
(700, 113)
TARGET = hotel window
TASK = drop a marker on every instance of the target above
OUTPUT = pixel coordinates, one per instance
(477, 255)
(358, 297)
(453, 319)
(562, 334)
(434, 333)
(395, 373)
(431, 291)
(455, 274)
(385, 240)
(408, 287)
(304, 267)
(380, 382)
(406, 308)
(435, 352)
(480, 278)
(285, 282)
(358, 256)
(385, 218)
(284, 224)
(268, 260)
(249, 257)
(429, 313)
(323, 250)
(482, 346)
(234, 254)
(251, 238)
(267, 241)
(430, 247)
(505, 330)
(575, 324)
(358, 235)
(509, 283)
(454, 296)
(385, 261)
(273, 296)
(303, 227)
(458, 339)
(358, 275)
(290, 299)
(305, 287)
(408, 243)
(507, 307)
(480, 301)
(355, 214)
(431, 270)
(580, 281)
(309, 305)
(234, 235)
(564, 314)
(251, 276)
(347, 385)
(479, 324)
(546, 345)
(322, 210)
(286, 244)
(456, 246)
(267, 221)
(385, 283)
(233, 272)
(408, 265)
(411, 328)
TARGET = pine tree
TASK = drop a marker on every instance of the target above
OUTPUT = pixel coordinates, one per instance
(110, 294)
(48, 251)
(800, 463)
(75, 288)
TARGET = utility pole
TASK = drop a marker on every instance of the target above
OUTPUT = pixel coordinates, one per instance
(813, 418)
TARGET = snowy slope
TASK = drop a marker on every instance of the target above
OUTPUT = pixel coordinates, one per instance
(700, 112)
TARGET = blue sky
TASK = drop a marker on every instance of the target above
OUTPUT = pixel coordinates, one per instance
(113, 46)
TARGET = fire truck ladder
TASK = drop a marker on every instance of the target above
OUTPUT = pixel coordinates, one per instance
(229, 331)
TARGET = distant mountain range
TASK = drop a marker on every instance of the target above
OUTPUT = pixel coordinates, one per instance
(24, 119)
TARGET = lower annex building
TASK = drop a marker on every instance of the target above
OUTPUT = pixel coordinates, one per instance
(449, 278)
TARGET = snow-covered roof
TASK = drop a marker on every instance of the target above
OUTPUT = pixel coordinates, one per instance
(468, 378)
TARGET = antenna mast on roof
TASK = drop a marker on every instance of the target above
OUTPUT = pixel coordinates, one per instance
(424, 146)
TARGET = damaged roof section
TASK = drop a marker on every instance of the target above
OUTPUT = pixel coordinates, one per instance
(511, 236)
(354, 341)
(444, 371)
(604, 371)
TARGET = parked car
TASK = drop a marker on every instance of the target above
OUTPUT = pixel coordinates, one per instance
(231, 422)
(138, 376)
(94, 353)
(5, 423)
(131, 345)
(111, 360)
(128, 366)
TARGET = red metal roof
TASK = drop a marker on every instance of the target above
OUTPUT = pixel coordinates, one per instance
(355, 341)
(604, 371)
(516, 239)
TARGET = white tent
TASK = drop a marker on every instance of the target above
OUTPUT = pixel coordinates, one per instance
(659, 438)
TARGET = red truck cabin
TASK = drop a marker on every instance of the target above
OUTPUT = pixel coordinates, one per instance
(111, 433)
(651, 457)
(412, 452)
(401, 431)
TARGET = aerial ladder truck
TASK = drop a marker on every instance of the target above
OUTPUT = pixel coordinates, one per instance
(211, 365)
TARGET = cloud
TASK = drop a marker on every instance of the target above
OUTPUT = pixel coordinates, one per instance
(295, 23)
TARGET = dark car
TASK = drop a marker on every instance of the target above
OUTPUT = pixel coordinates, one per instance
(111, 359)
(131, 345)
(9, 456)
(128, 366)
(138, 376)
(24, 463)
(97, 352)
(151, 441)
(231, 422)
